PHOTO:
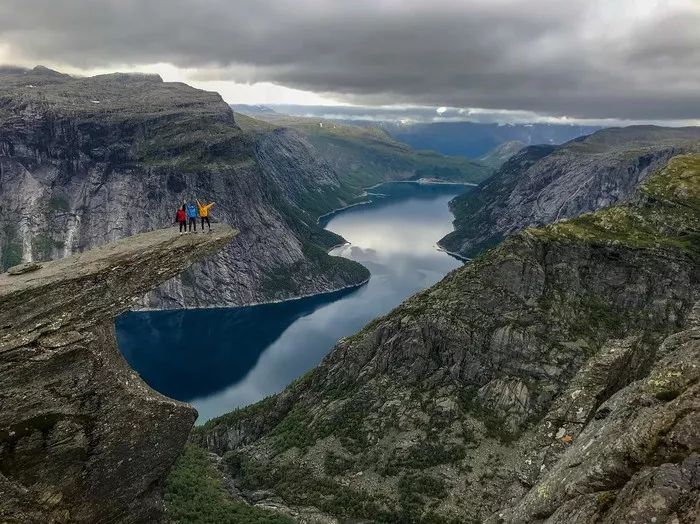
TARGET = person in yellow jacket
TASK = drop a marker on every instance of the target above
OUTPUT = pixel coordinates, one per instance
(204, 213)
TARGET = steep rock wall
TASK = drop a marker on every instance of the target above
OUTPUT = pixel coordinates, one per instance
(82, 437)
(543, 184)
(86, 161)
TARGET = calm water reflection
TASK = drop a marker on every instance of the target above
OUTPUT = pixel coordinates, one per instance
(220, 359)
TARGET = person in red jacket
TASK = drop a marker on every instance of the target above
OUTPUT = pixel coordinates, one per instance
(181, 218)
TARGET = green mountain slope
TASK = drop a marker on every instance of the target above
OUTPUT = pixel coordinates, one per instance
(364, 156)
(477, 399)
(501, 153)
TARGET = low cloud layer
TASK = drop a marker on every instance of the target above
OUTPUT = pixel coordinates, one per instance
(591, 59)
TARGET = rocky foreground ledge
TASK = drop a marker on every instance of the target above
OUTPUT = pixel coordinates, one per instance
(82, 437)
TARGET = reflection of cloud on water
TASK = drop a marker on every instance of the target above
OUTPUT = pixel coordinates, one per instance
(300, 348)
(360, 254)
(259, 350)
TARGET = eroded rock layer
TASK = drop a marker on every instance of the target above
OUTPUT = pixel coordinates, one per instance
(82, 438)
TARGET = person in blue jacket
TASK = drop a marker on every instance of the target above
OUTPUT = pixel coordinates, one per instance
(192, 216)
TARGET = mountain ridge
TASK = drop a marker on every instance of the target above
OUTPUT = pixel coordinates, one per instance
(365, 155)
(457, 405)
(543, 184)
(84, 161)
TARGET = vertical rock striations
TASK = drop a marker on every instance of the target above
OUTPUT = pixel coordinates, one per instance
(82, 438)
(543, 184)
(84, 161)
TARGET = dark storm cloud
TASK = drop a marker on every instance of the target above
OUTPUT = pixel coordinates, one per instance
(581, 58)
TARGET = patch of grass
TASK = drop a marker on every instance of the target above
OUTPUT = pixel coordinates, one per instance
(298, 430)
(11, 254)
(43, 246)
(235, 416)
(196, 143)
(416, 490)
(494, 426)
(424, 455)
(58, 204)
(334, 464)
(293, 432)
(195, 494)
(298, 485)
(346, 424)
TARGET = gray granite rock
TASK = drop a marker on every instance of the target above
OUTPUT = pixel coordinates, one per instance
(82, 437)
(542, 184)
(554, 377)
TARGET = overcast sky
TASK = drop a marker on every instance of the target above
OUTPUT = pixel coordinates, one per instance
(636, 60)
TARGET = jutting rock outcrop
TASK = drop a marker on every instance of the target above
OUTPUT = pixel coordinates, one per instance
(554, 378)
(82, 438)
(84, 161)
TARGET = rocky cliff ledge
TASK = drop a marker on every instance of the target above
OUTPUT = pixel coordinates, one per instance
(84, 161)
(82, 438)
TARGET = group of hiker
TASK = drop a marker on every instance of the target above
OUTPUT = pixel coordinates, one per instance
(187, 216)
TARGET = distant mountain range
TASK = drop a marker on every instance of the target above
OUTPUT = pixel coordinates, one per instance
(424, 128)
(363, 156)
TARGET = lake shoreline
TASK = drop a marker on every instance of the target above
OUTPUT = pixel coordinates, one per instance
(255, 350)
(263, 303)
(420, 181)
(330, 214)
(452, 253)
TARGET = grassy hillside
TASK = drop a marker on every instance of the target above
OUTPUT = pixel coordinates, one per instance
(364, 156)
(195, 494)
(500, 154)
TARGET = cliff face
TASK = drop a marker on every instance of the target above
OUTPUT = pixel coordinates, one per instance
(554, 377)
(86, 161)
(82, 438)
(543, 184)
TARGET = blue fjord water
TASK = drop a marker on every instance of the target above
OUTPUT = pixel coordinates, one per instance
(224, 358)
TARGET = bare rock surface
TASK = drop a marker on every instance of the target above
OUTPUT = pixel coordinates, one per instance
(85, 161)
(82, 437)
(554, 378)
(542, 184)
